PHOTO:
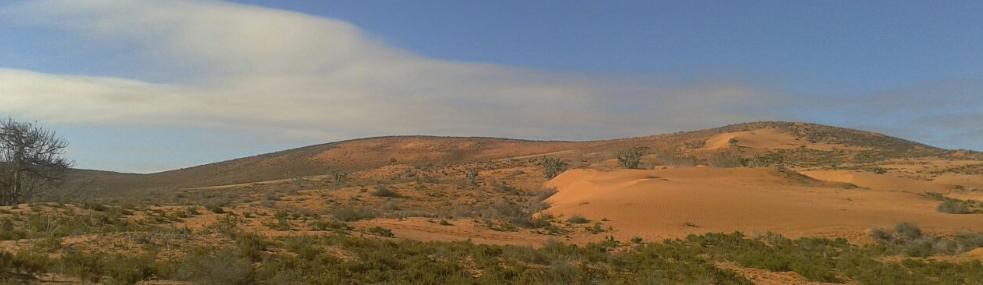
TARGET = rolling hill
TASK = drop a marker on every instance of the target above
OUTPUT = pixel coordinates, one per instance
(756, 144)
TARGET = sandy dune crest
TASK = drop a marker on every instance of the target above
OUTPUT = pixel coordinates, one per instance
(675, 202)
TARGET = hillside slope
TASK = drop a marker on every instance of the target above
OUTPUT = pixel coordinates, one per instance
(792, 144)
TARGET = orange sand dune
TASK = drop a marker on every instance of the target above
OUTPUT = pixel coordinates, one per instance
(877, 181)
(674, 202)
(966, 181)
(944, 183)
(766, 139)
(761, 138)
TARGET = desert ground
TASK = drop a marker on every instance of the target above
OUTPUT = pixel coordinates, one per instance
(491, 211)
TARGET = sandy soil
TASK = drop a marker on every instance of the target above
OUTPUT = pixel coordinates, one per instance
(767, 138)
(675, 202)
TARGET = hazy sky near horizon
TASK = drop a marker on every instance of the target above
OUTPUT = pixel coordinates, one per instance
(142, 86)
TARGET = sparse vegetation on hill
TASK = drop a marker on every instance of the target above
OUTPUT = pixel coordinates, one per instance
(344, 213)
(843, 148)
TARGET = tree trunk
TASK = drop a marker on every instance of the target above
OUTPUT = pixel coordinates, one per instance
(14, 189)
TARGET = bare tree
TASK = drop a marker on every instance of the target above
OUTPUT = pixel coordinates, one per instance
(30, 160)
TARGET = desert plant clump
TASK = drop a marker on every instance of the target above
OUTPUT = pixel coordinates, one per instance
(215, 209)
(908, 239)
(595, 229)
(882, 236)
(908, 231)
(630, 158)
(339, 177)
(471, 177)
(954, 207)
(382, 190)
(552, 167)
(577, 219)
(380, 231)
(351, 214)
(215, 267)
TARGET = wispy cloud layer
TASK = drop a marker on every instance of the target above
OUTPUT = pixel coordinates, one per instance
(291, 73)
(298, 77)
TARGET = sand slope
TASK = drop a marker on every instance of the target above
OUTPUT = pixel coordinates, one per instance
(675, 202)
(765, 139)
(761, 138)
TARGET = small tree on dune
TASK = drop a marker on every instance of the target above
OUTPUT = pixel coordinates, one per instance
(630, 158)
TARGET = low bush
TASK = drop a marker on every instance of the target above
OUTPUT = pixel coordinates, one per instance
(630, 158)
(577, 219)
(552, 167)
(954, 207)
(215, 267)
(351, 214)
(380, 231)
(471, 177)
(908, 239)
(382, 190)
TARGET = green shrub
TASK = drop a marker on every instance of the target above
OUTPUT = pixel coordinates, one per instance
(382, 190)
(380, 231)
(908, 231)
(595, 229)
(105, 268)
(954, 207)
(882, 236)
(577, 219)
(516, 215)
(251, 246)
(339, 177)
(471, 177)
(912, 242)
(215, 209)
(282, 221)
(215, 268)
(9, 232)
(552, 167)
(630, 158)
(351, 214)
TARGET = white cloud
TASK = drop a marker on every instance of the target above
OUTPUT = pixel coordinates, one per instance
(288, 74)
(245, 72)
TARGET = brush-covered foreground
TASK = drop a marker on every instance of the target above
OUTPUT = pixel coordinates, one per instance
(432, 210)
(104, 248)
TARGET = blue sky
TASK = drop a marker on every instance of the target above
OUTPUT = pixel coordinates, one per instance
(142, 86)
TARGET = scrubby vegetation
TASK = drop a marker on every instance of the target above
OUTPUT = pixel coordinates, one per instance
(306, 217)
(956, 206)
(908, 239)
(239, 258)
